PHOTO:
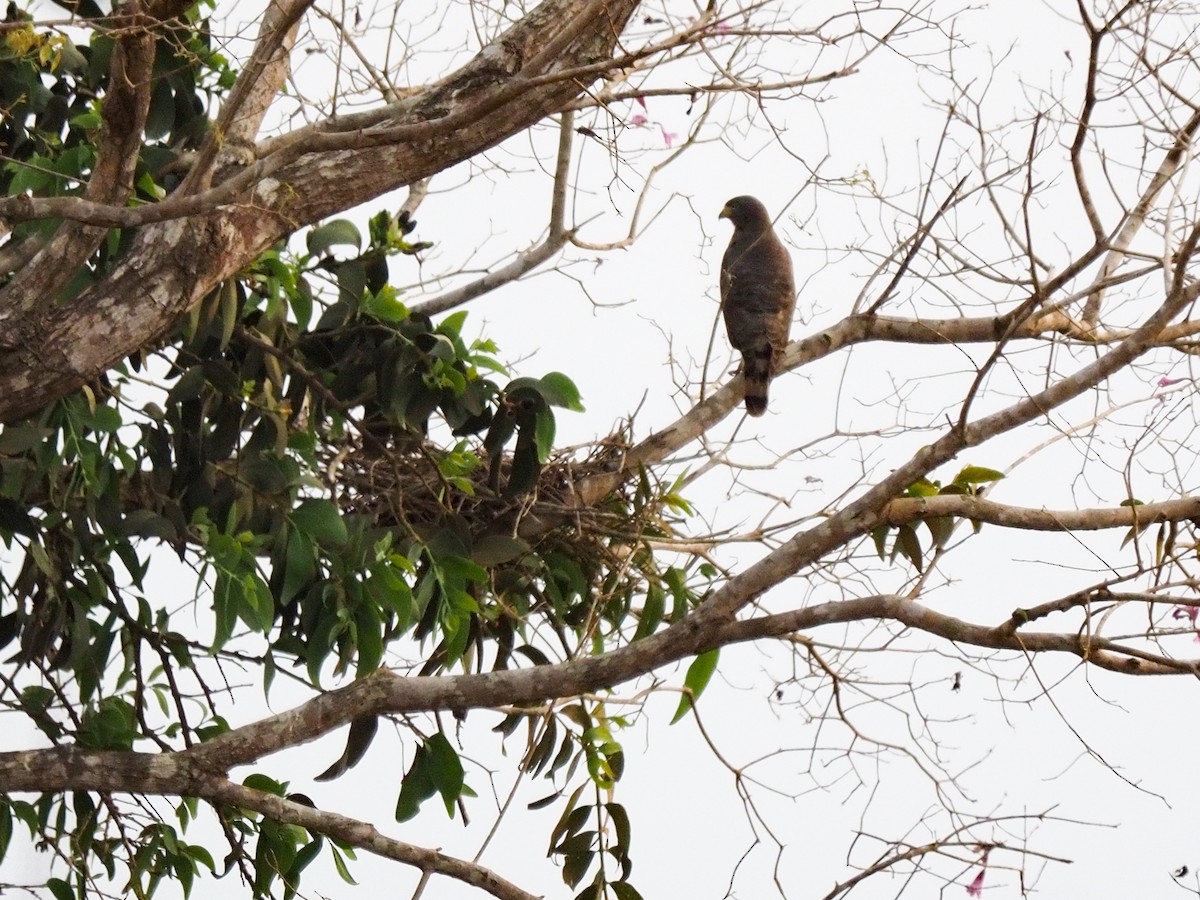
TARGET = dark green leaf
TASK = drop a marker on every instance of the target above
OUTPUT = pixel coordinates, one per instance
(908, 543)
(368, 626)
(495, 549)
(417, 787)
(652, 612)
(548, 800)
(940, 529)
(445, 770)
(6, 827)
(321, 521)
(300, 566)
(257, 608)
(624, 890)
(111, 725)
(578, 855)
(879, 535)
(544, 435)
(304, 857)
(620, 821)
(334, 233)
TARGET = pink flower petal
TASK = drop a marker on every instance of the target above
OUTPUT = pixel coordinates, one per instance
(668, 136)
(638, 121)
(641, 101)
(975, 888)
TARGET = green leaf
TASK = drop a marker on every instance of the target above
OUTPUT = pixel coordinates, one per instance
(908, 543)
(339, 863)
(259, 782)
(544, 435)
(322, 521)
(300, 566)
(698, 675)
(620, 821)
(559, 390)
(940, 529)
(495, 549)
(417, 787)
(18, 439)
(879, 535)
(6, 827)
(301, 302)
(579, 856)
(369, 638)
(385, 306)
(226, 597)
(331, 234)
(111, 725)
(452, 324)
(624, 890)
(572, 819)
(652, 612)
(456, 570)
(922, 488)
(304, 857)
(445, 770)
(258, 606)
(543, 802)
(977, 475)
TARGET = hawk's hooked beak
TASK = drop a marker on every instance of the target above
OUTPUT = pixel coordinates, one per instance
(724, 212)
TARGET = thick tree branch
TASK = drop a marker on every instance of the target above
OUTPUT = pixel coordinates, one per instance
(257, 86)
(41, 278)
(847, 333)
(174, 774)
(527, 260)
(174, 264)
(907, 509)
(364, 836)
(863, 514)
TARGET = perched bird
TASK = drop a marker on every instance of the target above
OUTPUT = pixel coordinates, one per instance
(758, 295)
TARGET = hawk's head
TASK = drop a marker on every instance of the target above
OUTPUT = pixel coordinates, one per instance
(746, 211)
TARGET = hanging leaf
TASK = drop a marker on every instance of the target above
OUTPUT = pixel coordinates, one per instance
(699, 673)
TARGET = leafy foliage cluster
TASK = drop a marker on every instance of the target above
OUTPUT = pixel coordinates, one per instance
(343, 475)
(906, 542)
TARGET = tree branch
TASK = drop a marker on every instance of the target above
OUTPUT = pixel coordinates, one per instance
(172, 265)
(908, 509)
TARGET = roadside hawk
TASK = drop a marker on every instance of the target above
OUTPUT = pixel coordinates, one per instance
(758, 295)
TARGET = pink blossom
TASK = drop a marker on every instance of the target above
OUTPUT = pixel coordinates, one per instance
(641, 101)
(668, 136)
(975, 888)
(1189, 613)
(722, 27)
(1167, 382)
(638, 121)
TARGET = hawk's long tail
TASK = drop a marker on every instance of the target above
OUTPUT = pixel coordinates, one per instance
(757, 369)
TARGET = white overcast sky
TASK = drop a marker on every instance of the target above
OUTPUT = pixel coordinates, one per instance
(1100, 749)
